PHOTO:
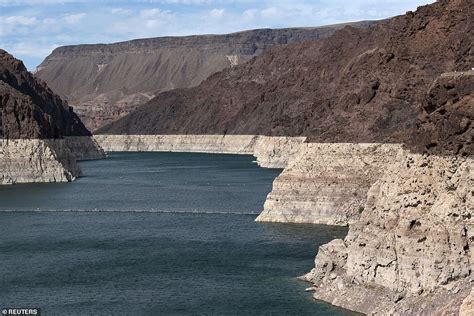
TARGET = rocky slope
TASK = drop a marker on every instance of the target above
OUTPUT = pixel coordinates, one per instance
(358, 85)
(402, 81)
(29, 108)
(106, 81)
(412, 246)
(38, 130)
(444, 125)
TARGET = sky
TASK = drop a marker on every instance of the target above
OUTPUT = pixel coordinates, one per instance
(31, 29)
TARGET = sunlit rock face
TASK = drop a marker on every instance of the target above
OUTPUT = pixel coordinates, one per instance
(104, 82)
(42, 138)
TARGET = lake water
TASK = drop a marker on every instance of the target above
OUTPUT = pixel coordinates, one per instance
(156, 233)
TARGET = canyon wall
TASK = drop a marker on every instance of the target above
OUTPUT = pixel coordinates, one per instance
(84, 148)
(411, 247)
(271, 152)
(41, 138)
(45, 160)
(37, 160)
(321, 183)
(405, 80)
(104, 82)
(326, 183)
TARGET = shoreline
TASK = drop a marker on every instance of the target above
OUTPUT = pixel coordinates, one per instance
(45, 160)
(375, 189)
(385, 178)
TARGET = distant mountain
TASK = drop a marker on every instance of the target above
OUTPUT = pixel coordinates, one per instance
(358, 85)
(104, 82)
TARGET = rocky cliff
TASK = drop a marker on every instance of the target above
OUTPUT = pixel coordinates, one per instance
(271, 152)
(104, 82)
(326, 183)
(412, 246)
(40, 133)
(358, 85)
(29, 108)
(409, 204)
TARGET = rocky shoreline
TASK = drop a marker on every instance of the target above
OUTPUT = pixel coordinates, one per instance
(45, 160)
(409, 215)
(411, 247)
(271, 152)
(411, 231)
(326, 183)
(41, 138)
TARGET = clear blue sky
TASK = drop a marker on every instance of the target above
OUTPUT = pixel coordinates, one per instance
(31, 29)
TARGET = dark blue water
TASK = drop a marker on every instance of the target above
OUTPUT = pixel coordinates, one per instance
(193, 249)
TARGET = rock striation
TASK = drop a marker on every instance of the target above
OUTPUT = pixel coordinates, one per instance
(271, 152)
(360, 85)
(409, 203)
(388, 111)
(41, 137)
(412, 247)
(37, 160)
(326, 183)
(104, 82)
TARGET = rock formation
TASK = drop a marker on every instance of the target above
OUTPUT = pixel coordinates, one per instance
(404, 81)
(326, 183)
(104, 82)
(37, 130)
(358, 85)
(271, 152)
(411, 247)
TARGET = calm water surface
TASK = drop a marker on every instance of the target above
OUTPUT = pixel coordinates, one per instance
(156, 233)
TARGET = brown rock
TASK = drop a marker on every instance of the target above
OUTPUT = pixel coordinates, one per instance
(104, 82)
(358, 85)
(29, 109)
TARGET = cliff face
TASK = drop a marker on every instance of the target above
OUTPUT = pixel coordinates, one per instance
(411, 247)
(29, 108)
(409, 205)
(358, 85)
(40, 133)
(444, 125)
(271, 152)
(326, 183)
(105, 82)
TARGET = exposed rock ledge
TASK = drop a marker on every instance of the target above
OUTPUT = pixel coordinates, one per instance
(37, 160)
(411, 251)
(411, 235)
(326, 183)
(85, 148)
(271, 152)
(322, 183)
(45, 160)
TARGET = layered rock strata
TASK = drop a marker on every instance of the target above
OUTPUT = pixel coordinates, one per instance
(360, 85)
(271, 152)
(41, 136)
(411, 248)
(84, 147)
(45, 160)
(326, 183)
(37, 160)
(106, 81)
